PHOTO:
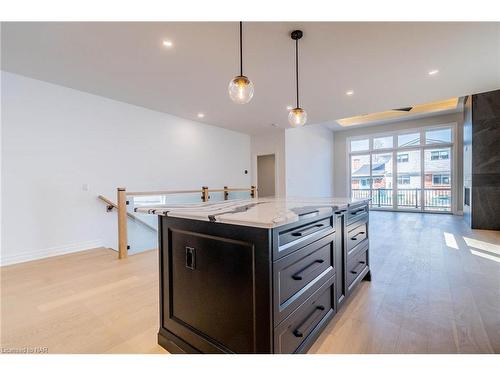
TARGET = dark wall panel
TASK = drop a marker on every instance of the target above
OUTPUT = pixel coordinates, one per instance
(486, 160)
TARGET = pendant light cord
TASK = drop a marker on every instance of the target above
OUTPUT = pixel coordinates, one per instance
(241, 48)
(297, 69)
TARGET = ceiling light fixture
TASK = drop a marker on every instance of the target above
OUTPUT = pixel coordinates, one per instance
(297, 116)
(241, 88)
(168, 43)
(433, 72)
(289, 107)
(201, 115)
(350, 93)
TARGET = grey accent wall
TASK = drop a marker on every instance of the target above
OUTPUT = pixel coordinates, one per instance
(486, 160)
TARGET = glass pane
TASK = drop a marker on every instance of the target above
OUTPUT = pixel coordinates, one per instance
(408, 179)
(142, 229)
(437, 171)
(239, 195)
(410, 139)
(382, 142)
(359, 145)
(382, 180)
(360, 176)
(438, 136)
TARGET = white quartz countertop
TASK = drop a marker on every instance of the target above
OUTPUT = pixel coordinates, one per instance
(259, 212)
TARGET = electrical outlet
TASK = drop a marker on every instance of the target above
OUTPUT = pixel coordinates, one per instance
(85, 187)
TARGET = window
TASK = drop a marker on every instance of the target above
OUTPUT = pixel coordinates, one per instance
(408, 140)
(403, 158)
(360, 145)
(382, 142)
(404, 179)
(438, 136)
(407, 169)
(440, 155)
(441, 179)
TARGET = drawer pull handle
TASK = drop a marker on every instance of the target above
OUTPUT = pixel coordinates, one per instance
(298, 331)
(299, 275)
(356, 235)
(357, 211)
(358, 269)
(308, 230)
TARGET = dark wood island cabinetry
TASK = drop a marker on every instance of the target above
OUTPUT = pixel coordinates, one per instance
(257, 276)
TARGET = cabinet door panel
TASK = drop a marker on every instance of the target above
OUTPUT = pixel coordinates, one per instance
(211, 291)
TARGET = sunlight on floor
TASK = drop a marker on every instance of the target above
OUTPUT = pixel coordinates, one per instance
(486, 256)
(482, 245)
(450, 240)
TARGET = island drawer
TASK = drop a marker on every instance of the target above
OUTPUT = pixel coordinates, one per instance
(292, 237)
(357, 213)
(299, 330)
(356, 267)
(356, 234)
(298, 275)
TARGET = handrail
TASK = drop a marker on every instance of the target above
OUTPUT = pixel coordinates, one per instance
(169, 192)
(112, 205)
(121, 207)
(228, 189)
(164, 192)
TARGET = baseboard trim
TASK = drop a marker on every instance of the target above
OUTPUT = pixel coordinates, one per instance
(50, 252)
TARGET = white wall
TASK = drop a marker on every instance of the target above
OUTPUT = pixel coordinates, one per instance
(267, 144)
(340, 156)
(56, 139)
(309, 161)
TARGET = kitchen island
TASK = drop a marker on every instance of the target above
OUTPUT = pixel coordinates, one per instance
(258, 275)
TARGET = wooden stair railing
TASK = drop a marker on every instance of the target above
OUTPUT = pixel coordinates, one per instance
(110, 206)
(121, 207)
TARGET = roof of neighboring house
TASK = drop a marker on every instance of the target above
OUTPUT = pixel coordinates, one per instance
(364, 170)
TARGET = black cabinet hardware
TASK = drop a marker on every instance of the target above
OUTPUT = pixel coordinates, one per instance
(308, 230)
(357, 211)
(299, 275)
(354, 238)
(358, 269)
(190, 258)
(298, 331)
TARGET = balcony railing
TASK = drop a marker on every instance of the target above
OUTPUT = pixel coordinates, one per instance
(434, 199)
(437, 199)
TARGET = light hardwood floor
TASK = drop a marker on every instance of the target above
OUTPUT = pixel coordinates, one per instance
(431, 292)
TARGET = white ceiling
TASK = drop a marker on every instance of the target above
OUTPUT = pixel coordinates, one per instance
(386, 65)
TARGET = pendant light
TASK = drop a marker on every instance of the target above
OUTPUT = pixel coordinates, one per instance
(297, 117)
(241, 88)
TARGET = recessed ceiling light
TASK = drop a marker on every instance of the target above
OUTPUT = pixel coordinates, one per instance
(201, 115)
(349, 93)
(433, 72)
(289, 107)
(168, 43)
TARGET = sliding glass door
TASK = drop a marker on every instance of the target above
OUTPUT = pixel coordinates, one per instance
(409, 170)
